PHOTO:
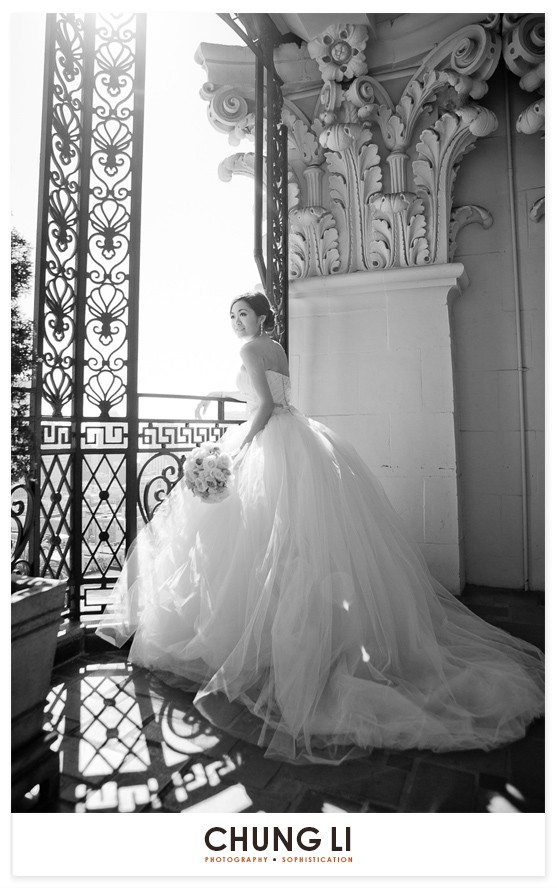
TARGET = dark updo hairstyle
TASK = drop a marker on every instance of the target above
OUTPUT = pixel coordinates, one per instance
(260, 305)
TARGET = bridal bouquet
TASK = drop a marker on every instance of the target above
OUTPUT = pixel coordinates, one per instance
(208, 472)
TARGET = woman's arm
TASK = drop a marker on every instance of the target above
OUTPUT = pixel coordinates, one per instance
(253, 362)
(203, 405)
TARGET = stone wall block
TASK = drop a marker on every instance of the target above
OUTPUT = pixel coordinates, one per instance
(328, 386)
(358, 331)
(423, 444)
(390, 382)
(416, 322)
(441, 522)
(477, 396)
(491, 462)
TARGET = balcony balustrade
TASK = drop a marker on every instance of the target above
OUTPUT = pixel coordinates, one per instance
(41, 513)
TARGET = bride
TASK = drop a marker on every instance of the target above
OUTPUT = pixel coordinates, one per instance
(302, 597)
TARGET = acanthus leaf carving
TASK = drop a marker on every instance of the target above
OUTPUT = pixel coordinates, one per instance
(239, 164)
(302, 140)
(243, 164)
(354, 177)
(466, 215)
(537, 210)
(313, 247)
(440, 149)
(398, 231)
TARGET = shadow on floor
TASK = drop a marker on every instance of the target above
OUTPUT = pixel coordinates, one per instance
(129, 743)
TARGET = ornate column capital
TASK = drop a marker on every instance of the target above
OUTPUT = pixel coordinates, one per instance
(371, 173)
(368, 140)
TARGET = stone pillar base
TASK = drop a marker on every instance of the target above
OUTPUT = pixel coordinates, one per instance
(371, 357)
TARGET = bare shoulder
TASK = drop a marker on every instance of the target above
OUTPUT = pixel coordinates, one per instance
(266, 352)
(251, 349)
(251, 353)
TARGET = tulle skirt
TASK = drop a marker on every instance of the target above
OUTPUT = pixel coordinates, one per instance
(302, 597)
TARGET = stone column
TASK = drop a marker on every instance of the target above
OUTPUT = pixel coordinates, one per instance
(371, 357)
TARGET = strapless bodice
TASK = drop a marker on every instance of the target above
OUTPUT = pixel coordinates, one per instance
(279, 384)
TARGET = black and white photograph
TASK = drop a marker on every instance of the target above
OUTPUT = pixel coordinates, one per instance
(277, 443)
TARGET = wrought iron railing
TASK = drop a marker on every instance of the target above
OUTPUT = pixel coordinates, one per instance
(162, 446)
(100, 469)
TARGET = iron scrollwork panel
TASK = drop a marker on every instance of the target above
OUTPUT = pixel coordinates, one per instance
(87, 285)
(109, 218)
(277, 210)
(23, 507)
(62, 162)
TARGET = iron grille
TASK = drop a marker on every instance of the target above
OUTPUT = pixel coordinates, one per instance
(100, 469)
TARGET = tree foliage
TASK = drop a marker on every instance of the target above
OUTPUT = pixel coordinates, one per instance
(22, 357)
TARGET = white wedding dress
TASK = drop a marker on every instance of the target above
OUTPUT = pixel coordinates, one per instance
(302, 597)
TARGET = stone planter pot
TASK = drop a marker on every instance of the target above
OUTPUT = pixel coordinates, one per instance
(36, 613)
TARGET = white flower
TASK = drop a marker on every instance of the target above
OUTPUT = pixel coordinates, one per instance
(209, 462)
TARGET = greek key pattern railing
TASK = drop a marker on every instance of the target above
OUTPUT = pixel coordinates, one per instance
(162, 447)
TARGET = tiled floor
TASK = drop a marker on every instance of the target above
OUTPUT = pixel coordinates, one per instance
(129, 743)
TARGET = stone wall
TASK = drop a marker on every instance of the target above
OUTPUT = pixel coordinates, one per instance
(370, 357)
(486, 354)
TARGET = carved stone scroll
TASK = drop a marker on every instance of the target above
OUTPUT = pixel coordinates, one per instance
(524, 54)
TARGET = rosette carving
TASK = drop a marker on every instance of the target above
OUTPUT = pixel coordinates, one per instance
(339, 51)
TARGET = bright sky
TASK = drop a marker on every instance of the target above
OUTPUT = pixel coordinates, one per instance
(197, 232)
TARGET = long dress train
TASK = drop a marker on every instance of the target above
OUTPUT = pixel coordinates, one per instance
(303, 597)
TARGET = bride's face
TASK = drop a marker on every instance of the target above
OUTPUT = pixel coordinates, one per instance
(245, 323)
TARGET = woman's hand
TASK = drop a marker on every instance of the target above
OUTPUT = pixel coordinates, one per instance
(239, 456)
(202, 407)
